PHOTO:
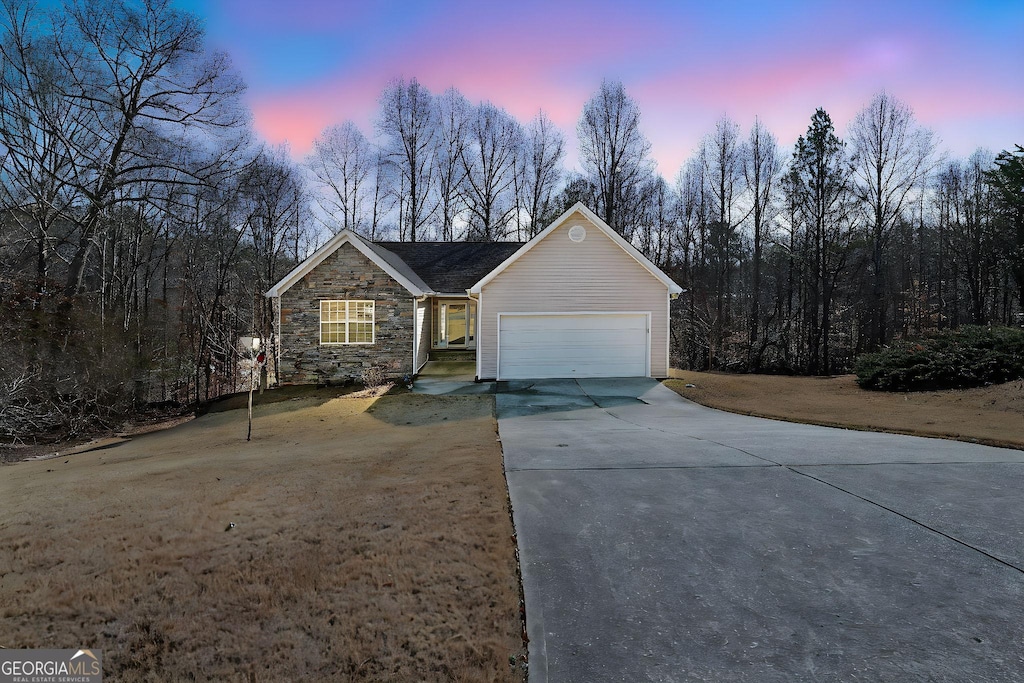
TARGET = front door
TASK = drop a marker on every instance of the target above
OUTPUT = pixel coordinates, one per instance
(455, 324)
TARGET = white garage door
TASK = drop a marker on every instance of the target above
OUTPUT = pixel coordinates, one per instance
(573, 345)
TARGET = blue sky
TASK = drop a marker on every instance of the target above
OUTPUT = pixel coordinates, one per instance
(313, 63)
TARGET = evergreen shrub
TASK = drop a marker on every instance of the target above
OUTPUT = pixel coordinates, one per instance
(970, 356)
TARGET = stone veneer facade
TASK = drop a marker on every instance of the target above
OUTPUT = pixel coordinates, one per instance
(345, 274)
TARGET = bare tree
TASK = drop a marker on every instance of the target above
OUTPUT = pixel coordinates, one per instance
(613, 150)
(273, 194)
(342, 162)
(38, 131)
(453, 115)
(636, 209)
(969, 233)
(690, 210)
(543, 154)
(656, 239)
(106, 108)
(577, 188)
(723, 163)
(143, 84)
(693, 215)
(408, 120)
(210, 272)
(892, 156)
(383, 200)
(762, 166)
(489, 160)
(723, 171)
(273, 198)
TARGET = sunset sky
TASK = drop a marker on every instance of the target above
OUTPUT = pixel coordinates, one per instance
(311, 63)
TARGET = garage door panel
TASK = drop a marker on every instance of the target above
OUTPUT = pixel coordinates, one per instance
(569, 345)
(557, 356)
(582, 323)
(591, 337)
(569, 360)
(573, 345)
(581, 368)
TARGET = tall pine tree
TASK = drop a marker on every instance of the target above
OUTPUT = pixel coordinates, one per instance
(821, 184)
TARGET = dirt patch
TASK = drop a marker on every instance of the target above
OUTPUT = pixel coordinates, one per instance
(289, 392)
(991, 415)
(339, 544)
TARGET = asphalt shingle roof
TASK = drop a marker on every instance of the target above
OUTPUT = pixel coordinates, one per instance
(449, 267)
(398, 264)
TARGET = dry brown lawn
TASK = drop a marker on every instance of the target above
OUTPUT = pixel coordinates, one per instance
(372, 541)
(992, 415)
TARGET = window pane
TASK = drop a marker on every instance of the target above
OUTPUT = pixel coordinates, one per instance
(332, 333)
(332, 311)
(362, 311)
(360, 333)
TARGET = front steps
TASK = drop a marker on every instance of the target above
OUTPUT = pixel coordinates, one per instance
(453, 355)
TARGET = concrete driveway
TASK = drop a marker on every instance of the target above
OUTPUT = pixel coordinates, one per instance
(664, 541)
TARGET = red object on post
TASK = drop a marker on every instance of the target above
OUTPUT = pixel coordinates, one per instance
(261, 358)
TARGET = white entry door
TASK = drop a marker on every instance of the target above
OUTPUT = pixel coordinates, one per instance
(539, 346)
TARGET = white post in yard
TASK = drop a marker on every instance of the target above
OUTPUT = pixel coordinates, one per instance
(254, 359)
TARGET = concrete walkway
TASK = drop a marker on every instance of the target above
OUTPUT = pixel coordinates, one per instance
(448, 377)
(664, 541)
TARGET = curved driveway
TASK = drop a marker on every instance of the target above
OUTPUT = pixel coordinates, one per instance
(664, 541)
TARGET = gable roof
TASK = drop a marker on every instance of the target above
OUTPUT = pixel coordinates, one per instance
(421, 267)
(451, 267)
(385, 260)
(615, 237)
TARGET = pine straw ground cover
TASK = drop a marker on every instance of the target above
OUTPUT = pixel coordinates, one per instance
(991, 415)
(371, 541)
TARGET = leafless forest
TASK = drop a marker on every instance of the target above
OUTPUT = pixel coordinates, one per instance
(141, 219)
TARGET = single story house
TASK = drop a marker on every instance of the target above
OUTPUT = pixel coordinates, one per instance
(576, 301)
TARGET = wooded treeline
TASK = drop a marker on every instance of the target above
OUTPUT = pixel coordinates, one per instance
(798, 261)
(142, 219)
(794, 260)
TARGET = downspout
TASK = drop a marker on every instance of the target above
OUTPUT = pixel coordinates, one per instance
(672, 296)
(479, 339)
(277, 345)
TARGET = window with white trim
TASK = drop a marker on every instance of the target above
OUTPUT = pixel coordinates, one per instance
(346, 322)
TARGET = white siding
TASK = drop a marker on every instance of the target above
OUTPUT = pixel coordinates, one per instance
(559, 275)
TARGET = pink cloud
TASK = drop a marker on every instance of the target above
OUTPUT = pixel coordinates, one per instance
(524, 64)
(519, 63)
(300, 114)
(783, 89)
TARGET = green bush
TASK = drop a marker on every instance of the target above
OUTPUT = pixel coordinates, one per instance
(971, 356)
